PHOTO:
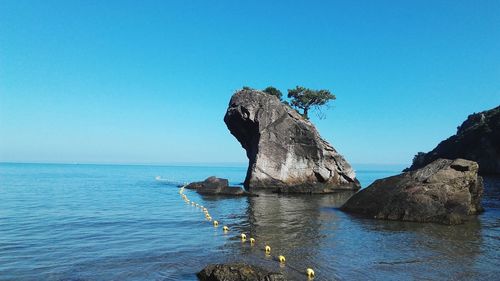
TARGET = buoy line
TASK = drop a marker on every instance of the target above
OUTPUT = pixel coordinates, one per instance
(309, 272)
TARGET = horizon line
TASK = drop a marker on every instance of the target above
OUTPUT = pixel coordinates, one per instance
(243, 164)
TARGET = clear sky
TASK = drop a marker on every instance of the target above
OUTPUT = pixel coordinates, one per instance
(149, 81)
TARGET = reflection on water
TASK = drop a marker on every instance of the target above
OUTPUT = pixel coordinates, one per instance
(311, 232)
(85, 222)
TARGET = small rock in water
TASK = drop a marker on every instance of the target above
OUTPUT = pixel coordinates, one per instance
(237, 272)
(217, 186)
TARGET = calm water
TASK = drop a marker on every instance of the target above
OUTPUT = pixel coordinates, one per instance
(97, 222)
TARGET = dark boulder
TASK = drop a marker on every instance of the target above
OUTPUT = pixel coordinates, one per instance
(237, 272)
(477, 139)
(210, 182)
(445, 191)
(216, 186)
(285, 151)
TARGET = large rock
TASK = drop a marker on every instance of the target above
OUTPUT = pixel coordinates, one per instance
(477, 139)
(216, 186)
(237, 272)
(285, 151)
(445, 191)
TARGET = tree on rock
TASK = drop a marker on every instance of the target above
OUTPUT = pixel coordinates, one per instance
(305, 99)
(273, 92)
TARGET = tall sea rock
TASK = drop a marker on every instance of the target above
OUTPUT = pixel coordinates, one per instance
(285, 151)
(477, 139)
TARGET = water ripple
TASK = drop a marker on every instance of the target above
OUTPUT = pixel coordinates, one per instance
(91, 222)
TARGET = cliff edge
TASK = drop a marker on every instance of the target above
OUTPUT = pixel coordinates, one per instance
(477, 139)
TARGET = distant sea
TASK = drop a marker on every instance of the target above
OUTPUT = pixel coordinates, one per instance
(116, 222)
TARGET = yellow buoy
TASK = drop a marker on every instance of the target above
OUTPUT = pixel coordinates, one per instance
(310, 273)
(216, 223)
(281, 259)
(209, 218)
(267, 249)
(225, 228)
(243, 237)
(252, 241)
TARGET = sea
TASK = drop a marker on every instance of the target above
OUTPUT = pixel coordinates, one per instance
(129, 222)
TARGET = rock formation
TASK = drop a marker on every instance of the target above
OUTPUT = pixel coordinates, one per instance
(285, 151)
(477, 139)
(216, 186)
(237, 272)
(445, 191)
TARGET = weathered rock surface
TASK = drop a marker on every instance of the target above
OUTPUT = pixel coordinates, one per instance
(237, 272)
(285, 151)
(445, 191)
(477, 139)
(210, 182)
(216, 186)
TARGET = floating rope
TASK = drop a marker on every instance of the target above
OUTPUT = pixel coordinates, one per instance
(267, 249)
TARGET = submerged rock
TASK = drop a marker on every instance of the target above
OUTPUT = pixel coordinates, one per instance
(237, 272)
(285, 151)
(477, 139)
(216, 186)
(445, 191)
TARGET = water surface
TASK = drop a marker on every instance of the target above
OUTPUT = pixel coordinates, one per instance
(103, 222)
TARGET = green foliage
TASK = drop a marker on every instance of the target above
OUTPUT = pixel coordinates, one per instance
(419, 159)
(301, 98)
(273, 91)
(305, 99)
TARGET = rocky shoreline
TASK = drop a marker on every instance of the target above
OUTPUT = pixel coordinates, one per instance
(477, 139)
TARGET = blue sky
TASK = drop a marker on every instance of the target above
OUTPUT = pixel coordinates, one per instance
(149, 81)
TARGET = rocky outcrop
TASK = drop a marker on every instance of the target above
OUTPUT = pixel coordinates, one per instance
(445, 191)
(216, 186)
(210, 182)
(477, 139)
(285, 151)
(237, 272)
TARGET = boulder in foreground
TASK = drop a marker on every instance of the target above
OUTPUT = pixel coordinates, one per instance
(216, 186)
(445, 191)
(237, 272)
(285, 151)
